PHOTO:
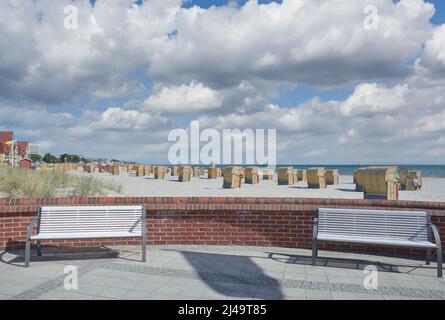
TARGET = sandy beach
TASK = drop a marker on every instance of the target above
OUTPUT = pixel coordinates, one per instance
(433, 189)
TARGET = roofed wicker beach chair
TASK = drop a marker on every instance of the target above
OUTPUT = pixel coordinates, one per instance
(140, 171)
(196, 171)
(174, 171)
(316, 178)
(302, 175)
(332, 177)
(232, 177)
(184, 173)
(285, 176)
(148, 170)
(268, 174)
(358, 179)
(403, 172)
(130, 168)
(212, 173)
(89, 168)
(160, 172)
(251, 175)
(115, 169)
(381, 183)
(296, 171)
(414, 180)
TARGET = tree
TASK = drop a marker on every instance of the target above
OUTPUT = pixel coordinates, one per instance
(64, 158)
(36, 157)
(49, 158)
(72, 158)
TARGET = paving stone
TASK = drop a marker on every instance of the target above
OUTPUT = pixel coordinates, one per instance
(318, 295)
(343, 296)
(65, 295)
(388, 297)
(293, 293)
(116, 293)
(134, 294)
(88, 289)
(316, 278)
(364, 296)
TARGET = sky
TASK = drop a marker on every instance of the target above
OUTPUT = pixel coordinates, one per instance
(336, 90)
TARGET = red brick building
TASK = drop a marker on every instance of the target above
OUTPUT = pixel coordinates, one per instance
(6, 149)
(25, 164)
(11, 151)
(22, 151)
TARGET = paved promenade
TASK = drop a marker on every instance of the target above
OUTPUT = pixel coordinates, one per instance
(213, 272)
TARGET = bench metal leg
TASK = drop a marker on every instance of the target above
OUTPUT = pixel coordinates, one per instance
(144, 250)
(439, 249)
(428, 256)
(314, 251)
(144, 233)
(27, 252)
(39, 248)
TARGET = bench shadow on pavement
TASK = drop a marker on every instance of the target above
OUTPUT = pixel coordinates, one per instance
(233, 275)
(53, 253)
(353, 264)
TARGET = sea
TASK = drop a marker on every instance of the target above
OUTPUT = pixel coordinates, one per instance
(435, 171)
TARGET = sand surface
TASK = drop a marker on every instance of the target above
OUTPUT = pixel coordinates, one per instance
(433, 189)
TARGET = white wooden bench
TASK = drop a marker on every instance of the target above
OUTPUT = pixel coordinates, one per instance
(85, 222)
(377, 227)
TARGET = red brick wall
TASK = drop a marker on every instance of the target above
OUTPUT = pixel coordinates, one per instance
(283, 222)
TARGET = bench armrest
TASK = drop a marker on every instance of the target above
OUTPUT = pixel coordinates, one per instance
(436, 236)
(32, 224)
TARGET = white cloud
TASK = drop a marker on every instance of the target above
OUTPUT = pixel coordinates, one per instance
(115, 118)
(315, 153)
(351, 134)
(433, 56)
(371, 98)
(184, 99)
(299, 41)
(224, 64)
(429, 124)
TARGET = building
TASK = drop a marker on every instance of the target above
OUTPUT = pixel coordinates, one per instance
(25, 164)
(6, 146)
(21, 151)
(11, 151)
(34, 148)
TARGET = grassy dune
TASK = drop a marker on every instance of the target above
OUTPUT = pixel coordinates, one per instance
(18, 183)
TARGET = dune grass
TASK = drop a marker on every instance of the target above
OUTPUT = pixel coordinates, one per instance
(89, 186)
(19, 183)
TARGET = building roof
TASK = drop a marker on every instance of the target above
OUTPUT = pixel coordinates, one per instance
(5, 136)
